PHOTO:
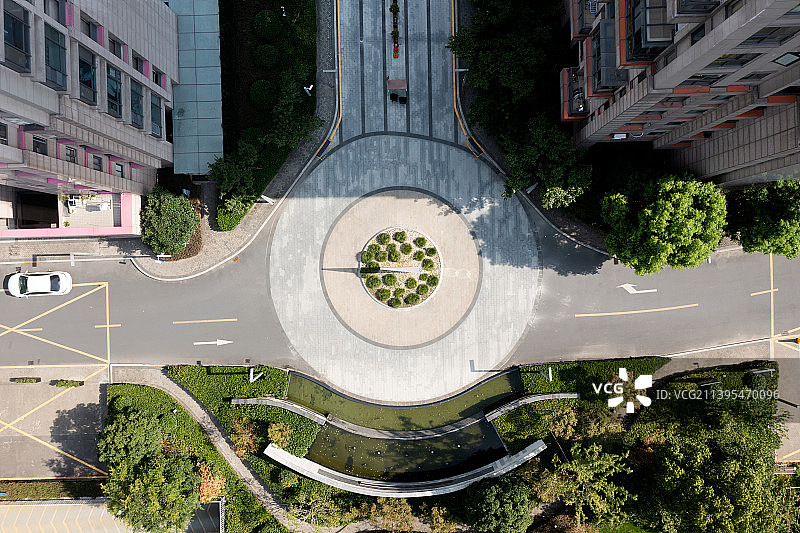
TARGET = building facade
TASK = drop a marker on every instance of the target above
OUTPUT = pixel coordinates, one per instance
(85, 113)
(715, 82)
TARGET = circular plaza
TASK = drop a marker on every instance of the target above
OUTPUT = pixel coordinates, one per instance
(485, 289)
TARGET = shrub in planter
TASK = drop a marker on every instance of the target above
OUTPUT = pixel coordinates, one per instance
(423, 276)
(391, 247)
(394, 256)
(389, 280)
(395, 302)
(373, 282)
(167, 221)
(374, 248)
(432, 281)
(264, 94)
(370, 268)
(423, 290)
(421, 241)
(366, 257)
(266, 56)
(412, 299)
(26, 380)
(400, 236)
(406, 248)
(419, 255)
(382, 257)
(399, 292)
(411, 283)
(428, 264)
(232, 211)
(267, 25)
(383, 294)
(384, 238)
(430, 252)
(68, 383)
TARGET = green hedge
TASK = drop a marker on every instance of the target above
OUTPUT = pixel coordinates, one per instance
(68, 383)
(526, 424)
(231, 212)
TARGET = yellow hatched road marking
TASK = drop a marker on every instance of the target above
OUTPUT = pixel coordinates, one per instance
(790, 454)
(795, 348)
(763, 292)
(793, 330)
(87, 365)
(176, 322)
(30, 329)
(52, 343)
(771, 307)
(53, 310)
(108, 326)
(639, 311)
(47, 444)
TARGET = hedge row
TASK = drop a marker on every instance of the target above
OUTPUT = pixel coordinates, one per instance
(525, 424)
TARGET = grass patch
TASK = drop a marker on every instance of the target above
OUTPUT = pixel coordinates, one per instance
(50, 490)
(244, 513)
(526, 424)
(624, 527)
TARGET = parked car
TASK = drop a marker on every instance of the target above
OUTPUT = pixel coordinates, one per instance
(27, 284)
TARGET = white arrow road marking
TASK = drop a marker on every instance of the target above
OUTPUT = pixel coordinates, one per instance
(632, 290)
(218, 342)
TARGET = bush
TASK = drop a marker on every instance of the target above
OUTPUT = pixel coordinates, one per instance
(430, 252)
(419, 255)
(26, 380)
(366, 257)
(406, 248)
(421, 242)
(400, 236)
(394, 256)
(373, 282)
(264, 94)
(266, 56)
(389, 280)
(428, 264)
(374, 248)
(395, 302)
(411, 283)
(423, 290)
(423, 276)
(267, 25)
(234, 174)
(167, 221)
(391, 247)
(399, 292)
(432, 280)
(384, 238)
(279, 434)
(383, 294)
(232, 211)
(370, 268)
(287, 479)
(68, 383)
(382, 257)
(412, 299)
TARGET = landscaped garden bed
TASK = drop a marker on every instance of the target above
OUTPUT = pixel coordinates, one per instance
(400, 248)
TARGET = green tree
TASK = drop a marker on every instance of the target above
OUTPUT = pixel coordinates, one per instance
(546, 154)
(167, 221)
(585, 484)
(500, 506)
(234, 173)
(766, 217)
(128, 437)
(393, 515)
(668, 221)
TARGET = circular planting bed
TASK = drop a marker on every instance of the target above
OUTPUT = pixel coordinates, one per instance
(400, 248)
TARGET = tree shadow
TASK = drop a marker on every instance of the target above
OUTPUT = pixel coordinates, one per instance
(74, 431)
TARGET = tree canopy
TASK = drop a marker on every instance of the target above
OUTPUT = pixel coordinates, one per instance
(766, 217)
(501, 506)
(167, 221)
(668, 221)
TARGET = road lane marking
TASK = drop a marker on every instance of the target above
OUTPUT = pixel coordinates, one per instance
(30, 329)
(631, 289)
(771, 309)
(794, 329)
(795, 348)
(52, 343)
(639, 311)
(763, 292)
(176, 322)
(53, 310)
(108, 326)
(47, 444)
(88, 365)
(790, 454)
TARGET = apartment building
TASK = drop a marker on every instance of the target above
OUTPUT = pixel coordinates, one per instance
(715, 82)
(85, 113)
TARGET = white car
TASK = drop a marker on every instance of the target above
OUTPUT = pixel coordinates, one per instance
(39, 284)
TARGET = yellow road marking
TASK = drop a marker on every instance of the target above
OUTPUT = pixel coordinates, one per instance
(47, 444)
(615, 313)
(108, 336)
(771, 308)
(88, 365)
(53, 310)
(790, 454)
(108, 326)
(175, 322)
(795, 348)
(49, 478)
(793, 330)
(763, 292)
(7, 425)
(89, 284)
(30, 329)
(46, 341)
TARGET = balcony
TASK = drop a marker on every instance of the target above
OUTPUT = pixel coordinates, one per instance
(585, 12)
(573, 97)
(696, 7)
(648, 30)
(606, 76)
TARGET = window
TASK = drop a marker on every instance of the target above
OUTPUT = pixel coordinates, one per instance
(17, 37)
(138, 64)
(675, 123)
(787, 59)
(157, 77)
(794, 12)
(3, 134)
(86, 76)
(723, 97)
(698, 34)
(771, 36)
(97, 162)
(115, 46)
(732, 60)
(670, 56)
(755, 76)
(55, 9)
(701, 80)
(114, 85)
(119, 170)
(55, 57)
(89, 28)
(137, 104)
(155, 115)
(72, 155)
(40, 145)
(733, 7)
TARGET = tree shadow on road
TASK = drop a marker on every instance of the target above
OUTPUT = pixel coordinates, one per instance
(74, 431)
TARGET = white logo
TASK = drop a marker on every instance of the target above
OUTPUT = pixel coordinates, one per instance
(641, 383)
